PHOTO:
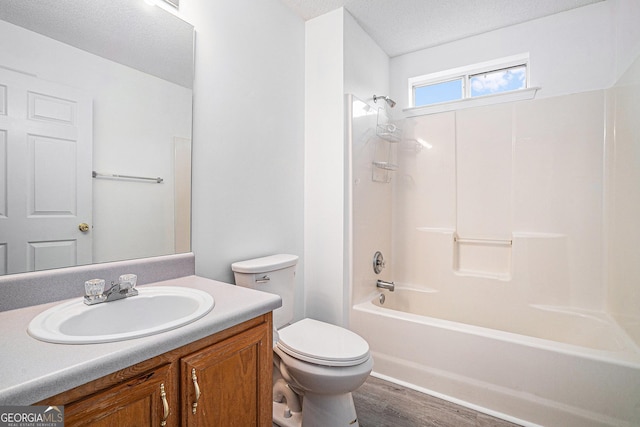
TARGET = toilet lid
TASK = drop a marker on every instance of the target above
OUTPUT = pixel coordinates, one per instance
(323, 344)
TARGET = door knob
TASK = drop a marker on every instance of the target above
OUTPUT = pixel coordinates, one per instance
(84, 227)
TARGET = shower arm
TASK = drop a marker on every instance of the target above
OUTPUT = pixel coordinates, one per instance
(388, 100)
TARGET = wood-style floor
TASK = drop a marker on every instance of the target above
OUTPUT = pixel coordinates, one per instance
(383, 404)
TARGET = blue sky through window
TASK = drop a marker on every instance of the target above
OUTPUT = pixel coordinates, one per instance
(498, 81)
(438, 92)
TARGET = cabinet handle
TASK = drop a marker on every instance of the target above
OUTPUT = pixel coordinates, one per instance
(197, 387)
(165, 406)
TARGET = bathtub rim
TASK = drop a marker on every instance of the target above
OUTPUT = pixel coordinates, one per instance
(523, 395)
(623, 358)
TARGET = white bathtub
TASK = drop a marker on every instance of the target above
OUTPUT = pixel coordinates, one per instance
(534, 365)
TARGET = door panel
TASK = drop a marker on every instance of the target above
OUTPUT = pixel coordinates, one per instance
(3, 258)
(46, 255)
(3, 171)
(45, 168)
(53, 177)
(3, 99)
(50, 109)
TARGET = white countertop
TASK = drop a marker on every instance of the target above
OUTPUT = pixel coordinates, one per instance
(32, 370)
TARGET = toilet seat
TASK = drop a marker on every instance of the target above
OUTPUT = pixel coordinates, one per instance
(322, 343)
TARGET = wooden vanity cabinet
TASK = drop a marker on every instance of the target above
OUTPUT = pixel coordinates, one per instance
(222, 384)
(140, 401)
(227, 375)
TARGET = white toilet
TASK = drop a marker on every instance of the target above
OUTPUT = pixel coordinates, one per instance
(317, 365)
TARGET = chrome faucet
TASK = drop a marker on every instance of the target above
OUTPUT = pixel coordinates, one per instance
(385, 285)
(124, 288)
(120, 290)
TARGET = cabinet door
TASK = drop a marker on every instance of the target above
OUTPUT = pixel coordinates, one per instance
(229, 383)
(145, 400)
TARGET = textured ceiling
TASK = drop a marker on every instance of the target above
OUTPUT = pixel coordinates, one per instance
(152, 40)
(401, 26)
(132, 33)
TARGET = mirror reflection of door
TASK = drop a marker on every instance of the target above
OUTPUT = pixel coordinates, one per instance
(45, 174)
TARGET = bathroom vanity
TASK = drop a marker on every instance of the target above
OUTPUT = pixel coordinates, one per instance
(214, 371)
(220, 380)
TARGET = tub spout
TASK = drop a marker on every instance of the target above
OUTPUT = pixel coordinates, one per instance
(385, 285)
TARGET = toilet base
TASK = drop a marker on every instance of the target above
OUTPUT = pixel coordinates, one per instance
(282, 417)
(319, 410)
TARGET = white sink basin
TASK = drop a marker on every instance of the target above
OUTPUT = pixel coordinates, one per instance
(153, 310)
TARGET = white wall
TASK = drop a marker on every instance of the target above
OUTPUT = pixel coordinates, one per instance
(623, 207)
(530, 172)
(371, 202)
(133, 135)
(577, 52)
(248, 134)
(622, 201)
(324, 168)
(569, 52)
(237, 42)
(366, 74)
(340, 58)
(627, 48)
(366, 65)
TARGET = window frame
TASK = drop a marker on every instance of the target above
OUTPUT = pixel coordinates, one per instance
(465, 73)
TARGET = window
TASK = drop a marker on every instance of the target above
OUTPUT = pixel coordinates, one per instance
(498, 81)
(439, 92)
(489, 78)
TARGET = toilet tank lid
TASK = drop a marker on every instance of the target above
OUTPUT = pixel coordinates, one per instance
(264, 264)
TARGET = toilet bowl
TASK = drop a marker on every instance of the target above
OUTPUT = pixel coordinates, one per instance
(316, 364)
(323, 363)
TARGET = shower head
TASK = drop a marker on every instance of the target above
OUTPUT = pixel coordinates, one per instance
(389, 101)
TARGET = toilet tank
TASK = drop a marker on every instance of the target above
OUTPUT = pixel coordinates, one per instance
(274, 274)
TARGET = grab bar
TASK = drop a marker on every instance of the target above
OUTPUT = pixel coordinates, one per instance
(484, 241)
(95, 174)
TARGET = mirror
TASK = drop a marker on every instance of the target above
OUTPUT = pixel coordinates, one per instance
(95, 132)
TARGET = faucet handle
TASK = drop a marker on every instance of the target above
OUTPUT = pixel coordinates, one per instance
(94, 291)
(94, 287)
(127, 283)
(378, 262)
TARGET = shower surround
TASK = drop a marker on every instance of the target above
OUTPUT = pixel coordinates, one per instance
(493, 229)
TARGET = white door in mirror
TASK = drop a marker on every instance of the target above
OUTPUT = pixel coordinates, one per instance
(46, 135)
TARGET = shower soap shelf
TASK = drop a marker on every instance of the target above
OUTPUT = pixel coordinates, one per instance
(386, 165)
(483, 256)
(386, 128)
(384, 158)
(390, 136)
